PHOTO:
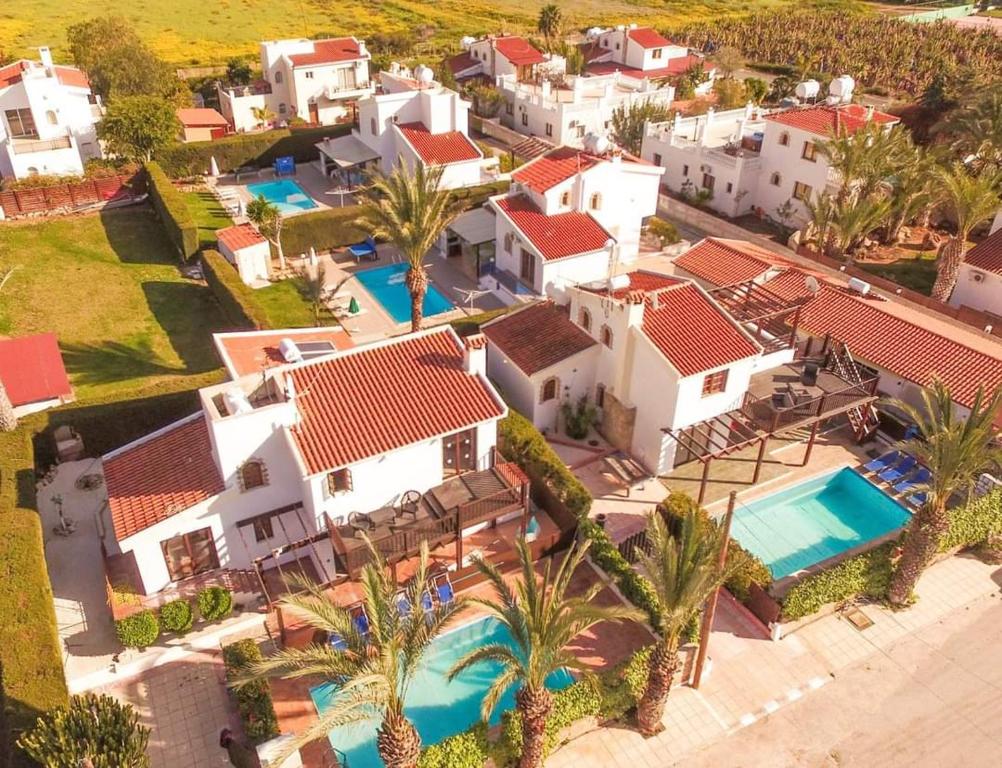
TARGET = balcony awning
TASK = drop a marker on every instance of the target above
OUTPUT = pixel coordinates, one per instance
(347, 151)
(475, 227)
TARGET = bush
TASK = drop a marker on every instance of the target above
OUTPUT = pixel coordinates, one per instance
(579, 700)
(173, 211)
(140, 630)
(974, 523)
(867, 575)
(606, 555)
(623, 685)
(240, 306)
(665, 231)
(323, 230)
(176, 616)
(214, 603)
(468, 749)
(253, 699)
(467, 326)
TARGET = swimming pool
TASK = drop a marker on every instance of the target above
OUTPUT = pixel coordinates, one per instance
(387, 286)
(284, 194)
(815, 520)
(438, 708)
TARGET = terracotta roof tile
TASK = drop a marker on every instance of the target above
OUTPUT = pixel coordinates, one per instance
(642, 281)
(253, 351)
(987, 254)
(439, 148)
(12, 73)
(538, 336)
(31, 369)
(377, 398)
(557, 236)
(646, 37)
(239, 236)
(328, 52)
(693, 332)
(557, 165)
(72, 77)
(518, 50)
(825, 120)
(200, 117)
(161, 476)
(726, 262)
(674, 66)
(461, 62)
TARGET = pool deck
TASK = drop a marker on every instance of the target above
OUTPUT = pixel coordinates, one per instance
(307, 176)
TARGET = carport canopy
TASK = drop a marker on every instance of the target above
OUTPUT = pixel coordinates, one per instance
(475, 227)
(347, 151)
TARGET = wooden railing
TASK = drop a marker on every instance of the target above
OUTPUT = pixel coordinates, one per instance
(830, 403)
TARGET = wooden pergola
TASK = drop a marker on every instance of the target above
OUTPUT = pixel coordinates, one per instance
(769, 314)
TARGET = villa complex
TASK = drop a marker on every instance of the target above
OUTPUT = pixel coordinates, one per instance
(642, 53)
(495, 56)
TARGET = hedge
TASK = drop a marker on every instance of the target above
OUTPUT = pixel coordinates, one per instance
(240, 306)
(974, 523)
(247, 149)
(606, 555)
(31, 667)
(467, 326)
(140, 630)
(469, 749)
(173, 211)
(867, 574)
(254, 699)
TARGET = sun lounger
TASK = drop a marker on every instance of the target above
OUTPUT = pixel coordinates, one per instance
(359, 619)
(891, 475)
(426, 601)
(910, 483)
(882, 462)
(403, 606)
(443, 587)
(337, 642)
(917, 499)
(364, 250)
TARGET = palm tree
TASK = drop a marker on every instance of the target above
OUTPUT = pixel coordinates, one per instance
(911, 190)
(549, 23)
(268, 219)
(542, 619)
(971, 200)
(956, 451)
(683, 571)
(263, 115)
(374, 671)
(852, 220)
(974, 130)
(863, 159)
(411, 211)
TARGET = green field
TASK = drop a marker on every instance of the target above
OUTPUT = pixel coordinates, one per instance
(210, 31)
(108, 286)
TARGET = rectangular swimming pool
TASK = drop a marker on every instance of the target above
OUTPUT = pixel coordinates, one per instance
(284, 194)
(438, 708)
(798, 527)
(387, 286)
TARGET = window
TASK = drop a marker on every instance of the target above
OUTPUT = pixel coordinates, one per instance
(730, 187)
(685, 171)
(656, 53)
(509, 241)
(459, 452)
(784, 139)
(309, 75)
(282, 109)
(580, 130)
(617, 46)
(51, 118)
(600, 395)
(607, 336)
(657, 159)
(253, 475)
(278, 76)
(21, 123)
(527, 267)
(565, 198)
(549, 390)
(596, 201)
(801, 191)
(262, 529)
(810, 151)
(190, 554)
(509, 108)
(372, 126)
(708, 181)
(549, 129)
(525, 118)
(339, 481)
(714, 383)
(584, 319)
(775, 179)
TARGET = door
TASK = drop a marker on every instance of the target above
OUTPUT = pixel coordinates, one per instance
(527, 268)
(314, 113)
(459, 452)
(190, 554)
(453, 246)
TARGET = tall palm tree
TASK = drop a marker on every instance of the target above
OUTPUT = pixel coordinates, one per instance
(542, 619)
(373, 671)
(683, 571)
(956, 451)
(863, 159)
(410, 210)
(852, 220)
(548, 23)
(911, 190)
(971, 201)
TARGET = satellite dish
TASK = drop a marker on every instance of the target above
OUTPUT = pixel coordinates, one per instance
(423, 74)
(812, 284)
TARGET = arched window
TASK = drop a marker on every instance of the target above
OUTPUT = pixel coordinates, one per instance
(278, 76)
(252, 475)
(584, 319)
(775, 179)
(607, 336)
(549, 390)
(784, 139)
(50, 116)
(565, 198)
(596, 201)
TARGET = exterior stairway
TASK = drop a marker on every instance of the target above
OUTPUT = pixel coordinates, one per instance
(863, 418)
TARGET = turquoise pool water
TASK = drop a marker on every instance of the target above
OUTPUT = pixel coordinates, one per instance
(437, 707)
(813, 521)
(387, 285)
(284, 194)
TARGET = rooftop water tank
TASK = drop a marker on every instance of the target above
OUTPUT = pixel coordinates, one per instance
(236, 402)
(842, 87)
(423, 74)
(594, 32)
(859, 286)
(619, 282)
(809, 89)
(289, 351)
(595, 144)
(466, 42)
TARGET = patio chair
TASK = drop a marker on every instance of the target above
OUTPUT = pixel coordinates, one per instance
(882, 462)
(809, 376)
(921, 477)
(443, 588)
(409, 504)
(337, 642)
(403, 605)
(917, 499)
(364, 250)
(891, 475)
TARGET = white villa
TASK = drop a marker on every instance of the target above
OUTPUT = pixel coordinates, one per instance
(315, 80)
(641, 52)
(49, 119)
(497, 56)
(569, 216)
(979, 282)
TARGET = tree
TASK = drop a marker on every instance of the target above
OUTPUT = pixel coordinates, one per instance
(238, 72)
(911, 191)
(864, 159)
(548, 23)
(374, 671)
(728, 60)
(683, 570)
(410, 210)
(853, 220)
(688, 81)
(955, 450)
(628, 123)
(970, 201)
(314, 290)
(93, 728)
(730, 93)
(542, 618)
(137, 127)
(268, 219)
(263, 115)
(974, 130)
(756, 89)
(782, 88)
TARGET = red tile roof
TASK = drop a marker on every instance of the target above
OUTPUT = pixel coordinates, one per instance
(557, 236)
(239, 236)
(557, 165)
(200, 117)
(693, 332)
(641, 280)
(439, 148)
(461, 62)
(792, 284)
(537, 337)
(829, 121)
(164, 474)
(646, 37)
(253, 351)
(725, 262)
(675, 66)
(12, 73)
(381, 397)
(518, 50)
(328, 52)
(987, 254)
(31, 369)
(72, 77)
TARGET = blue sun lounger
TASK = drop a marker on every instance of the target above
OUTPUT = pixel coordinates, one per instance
(446, 594)
(403, 607)
(364, 250)
(337, 642)
(360, 620)
(882, 462)
(891, 475)
(917, 499)
(909, 484)
(426, 602)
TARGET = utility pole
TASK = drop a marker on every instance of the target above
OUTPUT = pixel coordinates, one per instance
(711, 603)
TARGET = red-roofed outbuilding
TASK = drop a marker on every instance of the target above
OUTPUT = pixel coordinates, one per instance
(32, 372)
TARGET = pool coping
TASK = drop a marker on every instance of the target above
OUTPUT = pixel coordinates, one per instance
(386, 313)
(317, 205)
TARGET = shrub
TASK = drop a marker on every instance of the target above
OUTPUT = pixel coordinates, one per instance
(606, 555)
(214, 603)
(323, 230)
(253, 699)
(974, 523)
(664, 231)
(579, 418)
(581, 699)
(468, 749)
(240, 306)
(173, 211)
(623, 685)
(467, 326)
(140, 630)
(176, 616)
(866, 574)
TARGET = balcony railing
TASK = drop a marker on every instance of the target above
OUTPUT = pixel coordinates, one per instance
(24, 146)
(777, 418)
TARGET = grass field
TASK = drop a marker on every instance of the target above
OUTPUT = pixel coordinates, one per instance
(210, 31)
(109, 287)
(917, 273)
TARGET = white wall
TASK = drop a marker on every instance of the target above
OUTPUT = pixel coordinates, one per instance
(252, 263)
(788, 162)
(978, 289)
(554, 277)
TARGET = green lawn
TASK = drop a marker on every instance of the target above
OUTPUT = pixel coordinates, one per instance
(208, 214)
(917, 273)
(109, 287)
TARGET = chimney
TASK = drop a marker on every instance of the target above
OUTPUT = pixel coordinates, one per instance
(869, 113)
(46, 56)
(635, 308)
(475, 354)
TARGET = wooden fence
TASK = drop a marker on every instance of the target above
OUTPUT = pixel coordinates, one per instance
(72, 196)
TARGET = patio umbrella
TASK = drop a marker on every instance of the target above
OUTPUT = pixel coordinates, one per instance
(213, 167)
(313, 256)
(241, 208)
(353, 306)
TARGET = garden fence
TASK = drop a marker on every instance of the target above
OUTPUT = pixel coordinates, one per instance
(72, 196)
